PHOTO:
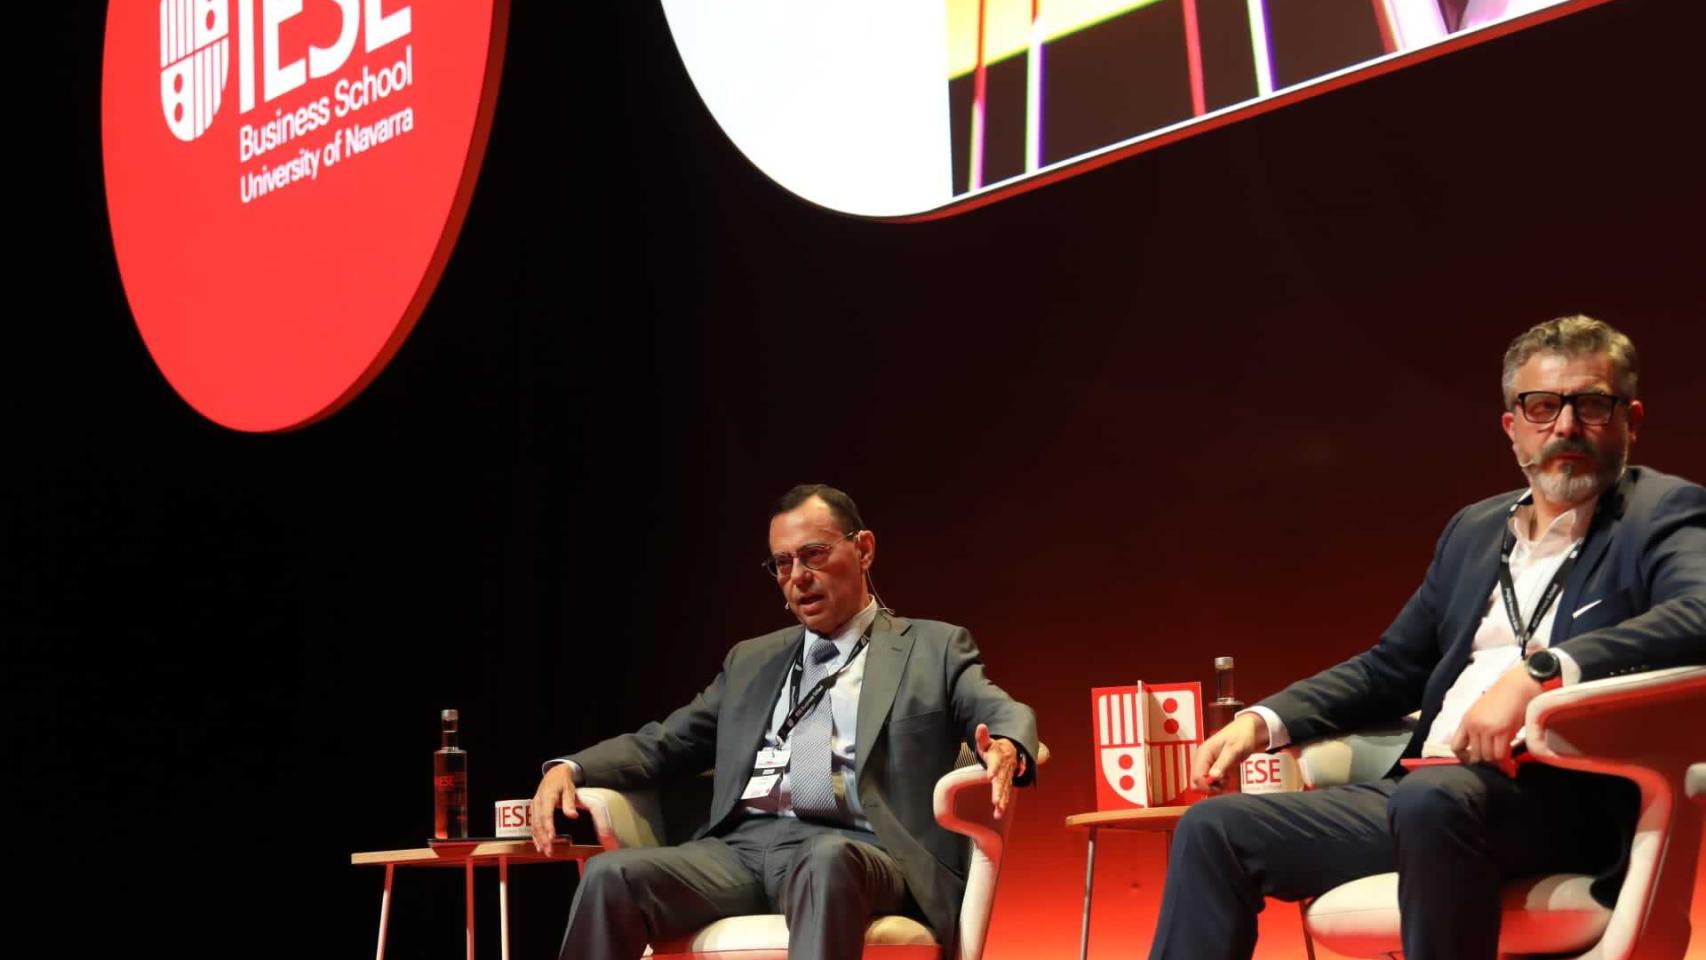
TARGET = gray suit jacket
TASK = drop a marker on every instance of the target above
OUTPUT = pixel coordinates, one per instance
(924, 693)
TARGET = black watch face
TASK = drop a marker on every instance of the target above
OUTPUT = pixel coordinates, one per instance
(1543, 665)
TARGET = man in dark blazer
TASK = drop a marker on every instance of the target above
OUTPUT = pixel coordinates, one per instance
(1606, 572)
(826, 740)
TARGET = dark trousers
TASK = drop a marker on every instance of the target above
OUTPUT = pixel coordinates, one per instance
(1453, 833)
(828, 882)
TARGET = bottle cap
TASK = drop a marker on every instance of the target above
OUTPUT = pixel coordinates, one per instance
(1220, 663)
(448, 716)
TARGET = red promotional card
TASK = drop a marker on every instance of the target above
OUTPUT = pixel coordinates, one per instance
(1146, 737)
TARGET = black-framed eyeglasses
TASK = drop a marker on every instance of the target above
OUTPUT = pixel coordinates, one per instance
(813, 555)
(1543, 406)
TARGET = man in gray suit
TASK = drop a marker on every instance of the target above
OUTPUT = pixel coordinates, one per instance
(826, 741)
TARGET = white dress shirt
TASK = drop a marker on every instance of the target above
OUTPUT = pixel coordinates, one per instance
(1534, 561)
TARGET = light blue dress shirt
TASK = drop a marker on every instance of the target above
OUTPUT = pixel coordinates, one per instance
(844, 707)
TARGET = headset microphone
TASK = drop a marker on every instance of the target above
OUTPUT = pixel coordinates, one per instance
(872, 585)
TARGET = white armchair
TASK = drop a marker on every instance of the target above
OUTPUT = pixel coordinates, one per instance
(962, 805)
(1643, 727)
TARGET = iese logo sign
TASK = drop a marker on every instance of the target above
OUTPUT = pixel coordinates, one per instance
(195, 53)
(279, 240)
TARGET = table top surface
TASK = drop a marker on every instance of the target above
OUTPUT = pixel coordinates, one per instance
(457, 854)
(1137, 818)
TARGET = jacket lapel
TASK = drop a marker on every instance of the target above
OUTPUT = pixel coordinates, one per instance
(749, 718)
(891, 644)
(1607, 515)
(1482, 576)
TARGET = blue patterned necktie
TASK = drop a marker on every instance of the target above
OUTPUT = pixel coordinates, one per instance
(808, 746)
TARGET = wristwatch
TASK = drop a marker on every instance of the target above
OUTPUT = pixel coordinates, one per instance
(1544, 667)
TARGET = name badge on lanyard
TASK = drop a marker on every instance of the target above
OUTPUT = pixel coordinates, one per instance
(767, 770)
(771, 762)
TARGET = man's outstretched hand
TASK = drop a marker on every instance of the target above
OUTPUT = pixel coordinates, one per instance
(1228, 748)
(556, 790)
(1001, 763)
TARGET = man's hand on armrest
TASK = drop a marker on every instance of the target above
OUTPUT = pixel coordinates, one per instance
(1495, 719)
(1246, 734)
(1001, 762)
(556, 790)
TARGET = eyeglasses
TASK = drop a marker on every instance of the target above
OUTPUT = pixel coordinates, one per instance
(813, 555)
(1543, 406)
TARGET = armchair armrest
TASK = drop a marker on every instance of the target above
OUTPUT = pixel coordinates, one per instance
(1620, 723)
(968, 812)
(1353, 757)
(1644, 727)
(964, 808)
(962, 805)
(623, 819)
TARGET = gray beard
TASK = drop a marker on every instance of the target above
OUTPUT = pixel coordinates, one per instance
(1567, 487)
(1574, 485)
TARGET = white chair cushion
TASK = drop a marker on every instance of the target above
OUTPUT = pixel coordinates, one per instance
(1550, 914)
(765, 937)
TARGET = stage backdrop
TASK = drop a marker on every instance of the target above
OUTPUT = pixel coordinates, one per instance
(1215, 400)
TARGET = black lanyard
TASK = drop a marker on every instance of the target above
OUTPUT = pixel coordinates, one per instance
(815, 694)
(1508, 589)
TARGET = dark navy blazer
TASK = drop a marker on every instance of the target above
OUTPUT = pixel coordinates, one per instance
(1635, 601)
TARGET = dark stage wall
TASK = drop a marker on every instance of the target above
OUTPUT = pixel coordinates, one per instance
(1218, 399)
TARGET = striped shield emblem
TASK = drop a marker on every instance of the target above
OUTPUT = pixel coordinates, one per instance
(1146, 737)
(195, 59)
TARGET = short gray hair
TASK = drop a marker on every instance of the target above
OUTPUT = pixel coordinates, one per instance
(1573, 336)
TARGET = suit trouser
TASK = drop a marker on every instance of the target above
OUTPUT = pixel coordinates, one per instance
(1453, 833)
(828, 882)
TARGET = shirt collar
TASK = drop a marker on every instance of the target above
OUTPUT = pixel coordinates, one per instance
(850, 631)
(1571, 525)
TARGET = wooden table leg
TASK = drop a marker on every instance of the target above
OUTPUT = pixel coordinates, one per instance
(385, 910)
(1089, 888)
(503, 903)
(468, 903)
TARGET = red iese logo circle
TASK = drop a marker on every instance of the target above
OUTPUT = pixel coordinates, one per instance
(285, 181)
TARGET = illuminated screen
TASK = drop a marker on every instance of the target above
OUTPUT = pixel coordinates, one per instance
(922, 108)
